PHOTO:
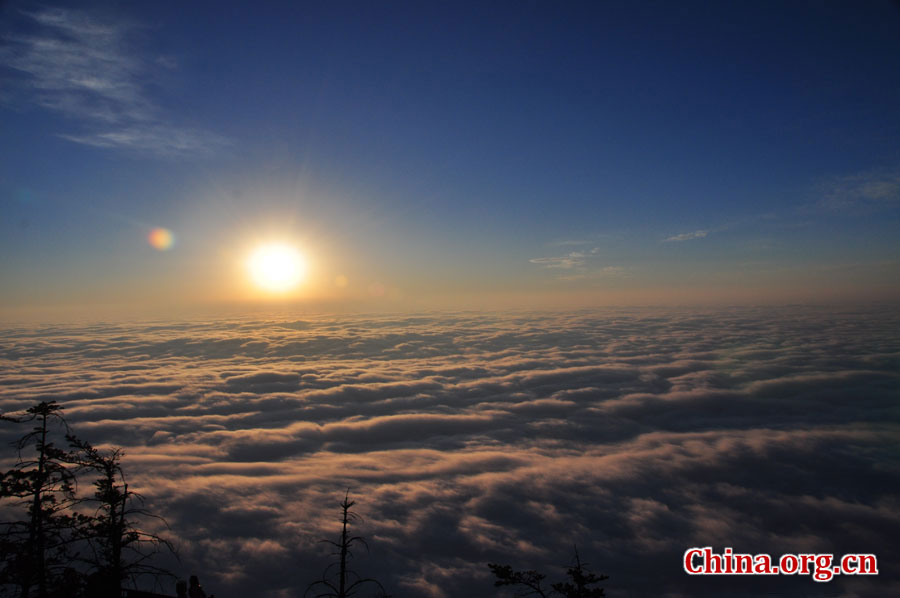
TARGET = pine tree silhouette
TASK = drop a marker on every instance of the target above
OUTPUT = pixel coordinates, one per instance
(120, 549)
(529, 583)
(57, 548)
(346, 582)
(38, 547)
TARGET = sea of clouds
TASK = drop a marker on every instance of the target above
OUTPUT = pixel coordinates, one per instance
(472, 438)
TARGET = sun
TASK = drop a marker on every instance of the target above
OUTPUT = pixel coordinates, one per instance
(276, 267)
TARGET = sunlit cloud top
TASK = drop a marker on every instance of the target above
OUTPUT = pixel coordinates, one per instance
(476, 438)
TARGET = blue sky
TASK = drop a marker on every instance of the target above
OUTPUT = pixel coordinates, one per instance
(588, 153)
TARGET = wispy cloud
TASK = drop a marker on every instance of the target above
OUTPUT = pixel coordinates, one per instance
(697, 234)
(575, 259)
(871, 189)
(579, 265)
(155, 138)
(84, 69)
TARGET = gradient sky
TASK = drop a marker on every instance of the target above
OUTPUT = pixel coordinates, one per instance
(534, 153)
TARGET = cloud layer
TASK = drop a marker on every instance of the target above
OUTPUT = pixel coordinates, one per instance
(508, 438)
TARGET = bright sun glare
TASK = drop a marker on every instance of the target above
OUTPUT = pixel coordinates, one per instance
(276, 267)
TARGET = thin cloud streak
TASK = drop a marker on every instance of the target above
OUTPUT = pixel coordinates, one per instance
(869, 190)
(578, 260)
(575, 259)
(87, 71)
(697, 234)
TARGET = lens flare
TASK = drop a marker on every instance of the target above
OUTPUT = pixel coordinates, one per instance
(161, 239)
(276, 268)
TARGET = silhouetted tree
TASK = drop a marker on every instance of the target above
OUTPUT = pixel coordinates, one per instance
(529, 583)
(530, 580)
(119, 548)
(346, 582)
(51, 546)
(37, 547)
(196, 590)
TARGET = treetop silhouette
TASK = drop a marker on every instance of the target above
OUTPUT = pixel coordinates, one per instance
(530, 582)
(345, 582)
(51, 543)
